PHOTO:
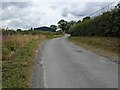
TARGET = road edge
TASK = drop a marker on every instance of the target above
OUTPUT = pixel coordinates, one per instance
(38, 70)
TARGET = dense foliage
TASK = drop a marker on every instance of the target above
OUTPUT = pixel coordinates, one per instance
(107, 24)
(18, 53)
(65, 25)
(53, 27)
(33, 32)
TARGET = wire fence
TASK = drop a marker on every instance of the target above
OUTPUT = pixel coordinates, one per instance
(109, 7)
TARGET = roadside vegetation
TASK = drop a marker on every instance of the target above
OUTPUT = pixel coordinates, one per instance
(18, 54)
(105, 46)
(105, 25)
(100, 34)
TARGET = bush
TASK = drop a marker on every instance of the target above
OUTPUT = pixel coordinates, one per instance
(107, 24)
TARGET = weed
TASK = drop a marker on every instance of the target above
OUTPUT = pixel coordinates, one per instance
(18, 55)
(106, 46)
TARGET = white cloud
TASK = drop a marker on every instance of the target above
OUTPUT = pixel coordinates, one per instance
(58, 0)
(35, 14)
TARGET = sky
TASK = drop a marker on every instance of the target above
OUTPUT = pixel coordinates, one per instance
(25, 15)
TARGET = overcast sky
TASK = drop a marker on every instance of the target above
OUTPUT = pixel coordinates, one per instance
(35, 14)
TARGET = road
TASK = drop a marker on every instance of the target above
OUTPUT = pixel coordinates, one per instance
(66, 65)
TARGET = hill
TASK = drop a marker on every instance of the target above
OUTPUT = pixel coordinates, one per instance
(44, 28)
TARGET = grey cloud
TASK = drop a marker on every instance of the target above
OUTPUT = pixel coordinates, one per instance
(22, 23)
(15, 4)
(54, 7)
(11, 14)
(20, 18)
(24, 15)
(14, 10)
(77, 10)
(65, 12)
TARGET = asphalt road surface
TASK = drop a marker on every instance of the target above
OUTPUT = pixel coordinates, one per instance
(66, 65)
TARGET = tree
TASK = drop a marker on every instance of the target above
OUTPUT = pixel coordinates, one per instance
(53, 27)
(62, 24)
(118, 6)
(72, 23)
(31, 28)
(86, 18)
(19, 30)
(78, 21)
(69, 24)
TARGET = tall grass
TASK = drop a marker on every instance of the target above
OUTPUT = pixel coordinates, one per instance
(18, 53)
(0, 59)
(106, 46)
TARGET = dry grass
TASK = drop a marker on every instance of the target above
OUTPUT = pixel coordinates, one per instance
(106, 46)
(22, 40)
(18, 53)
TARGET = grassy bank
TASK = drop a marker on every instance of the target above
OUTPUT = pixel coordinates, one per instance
(106, 46)
(18, 54)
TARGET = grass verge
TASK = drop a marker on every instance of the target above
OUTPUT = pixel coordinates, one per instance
(105, 46)
(18, 54)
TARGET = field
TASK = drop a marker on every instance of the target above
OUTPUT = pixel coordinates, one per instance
(18, 53)
(105, 46)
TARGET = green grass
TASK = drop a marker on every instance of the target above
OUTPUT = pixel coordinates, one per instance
(17, 67)
(18, 59)
(57, 36)
(105, 46)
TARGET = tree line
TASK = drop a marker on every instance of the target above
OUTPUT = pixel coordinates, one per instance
(107, 25)
(7, 32)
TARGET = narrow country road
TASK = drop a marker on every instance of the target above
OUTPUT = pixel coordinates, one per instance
(65, 65)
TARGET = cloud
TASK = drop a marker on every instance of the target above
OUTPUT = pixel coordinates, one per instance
(35, 14)
(83, 9)
(11, 10)
(15, 4)
(21, 23)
